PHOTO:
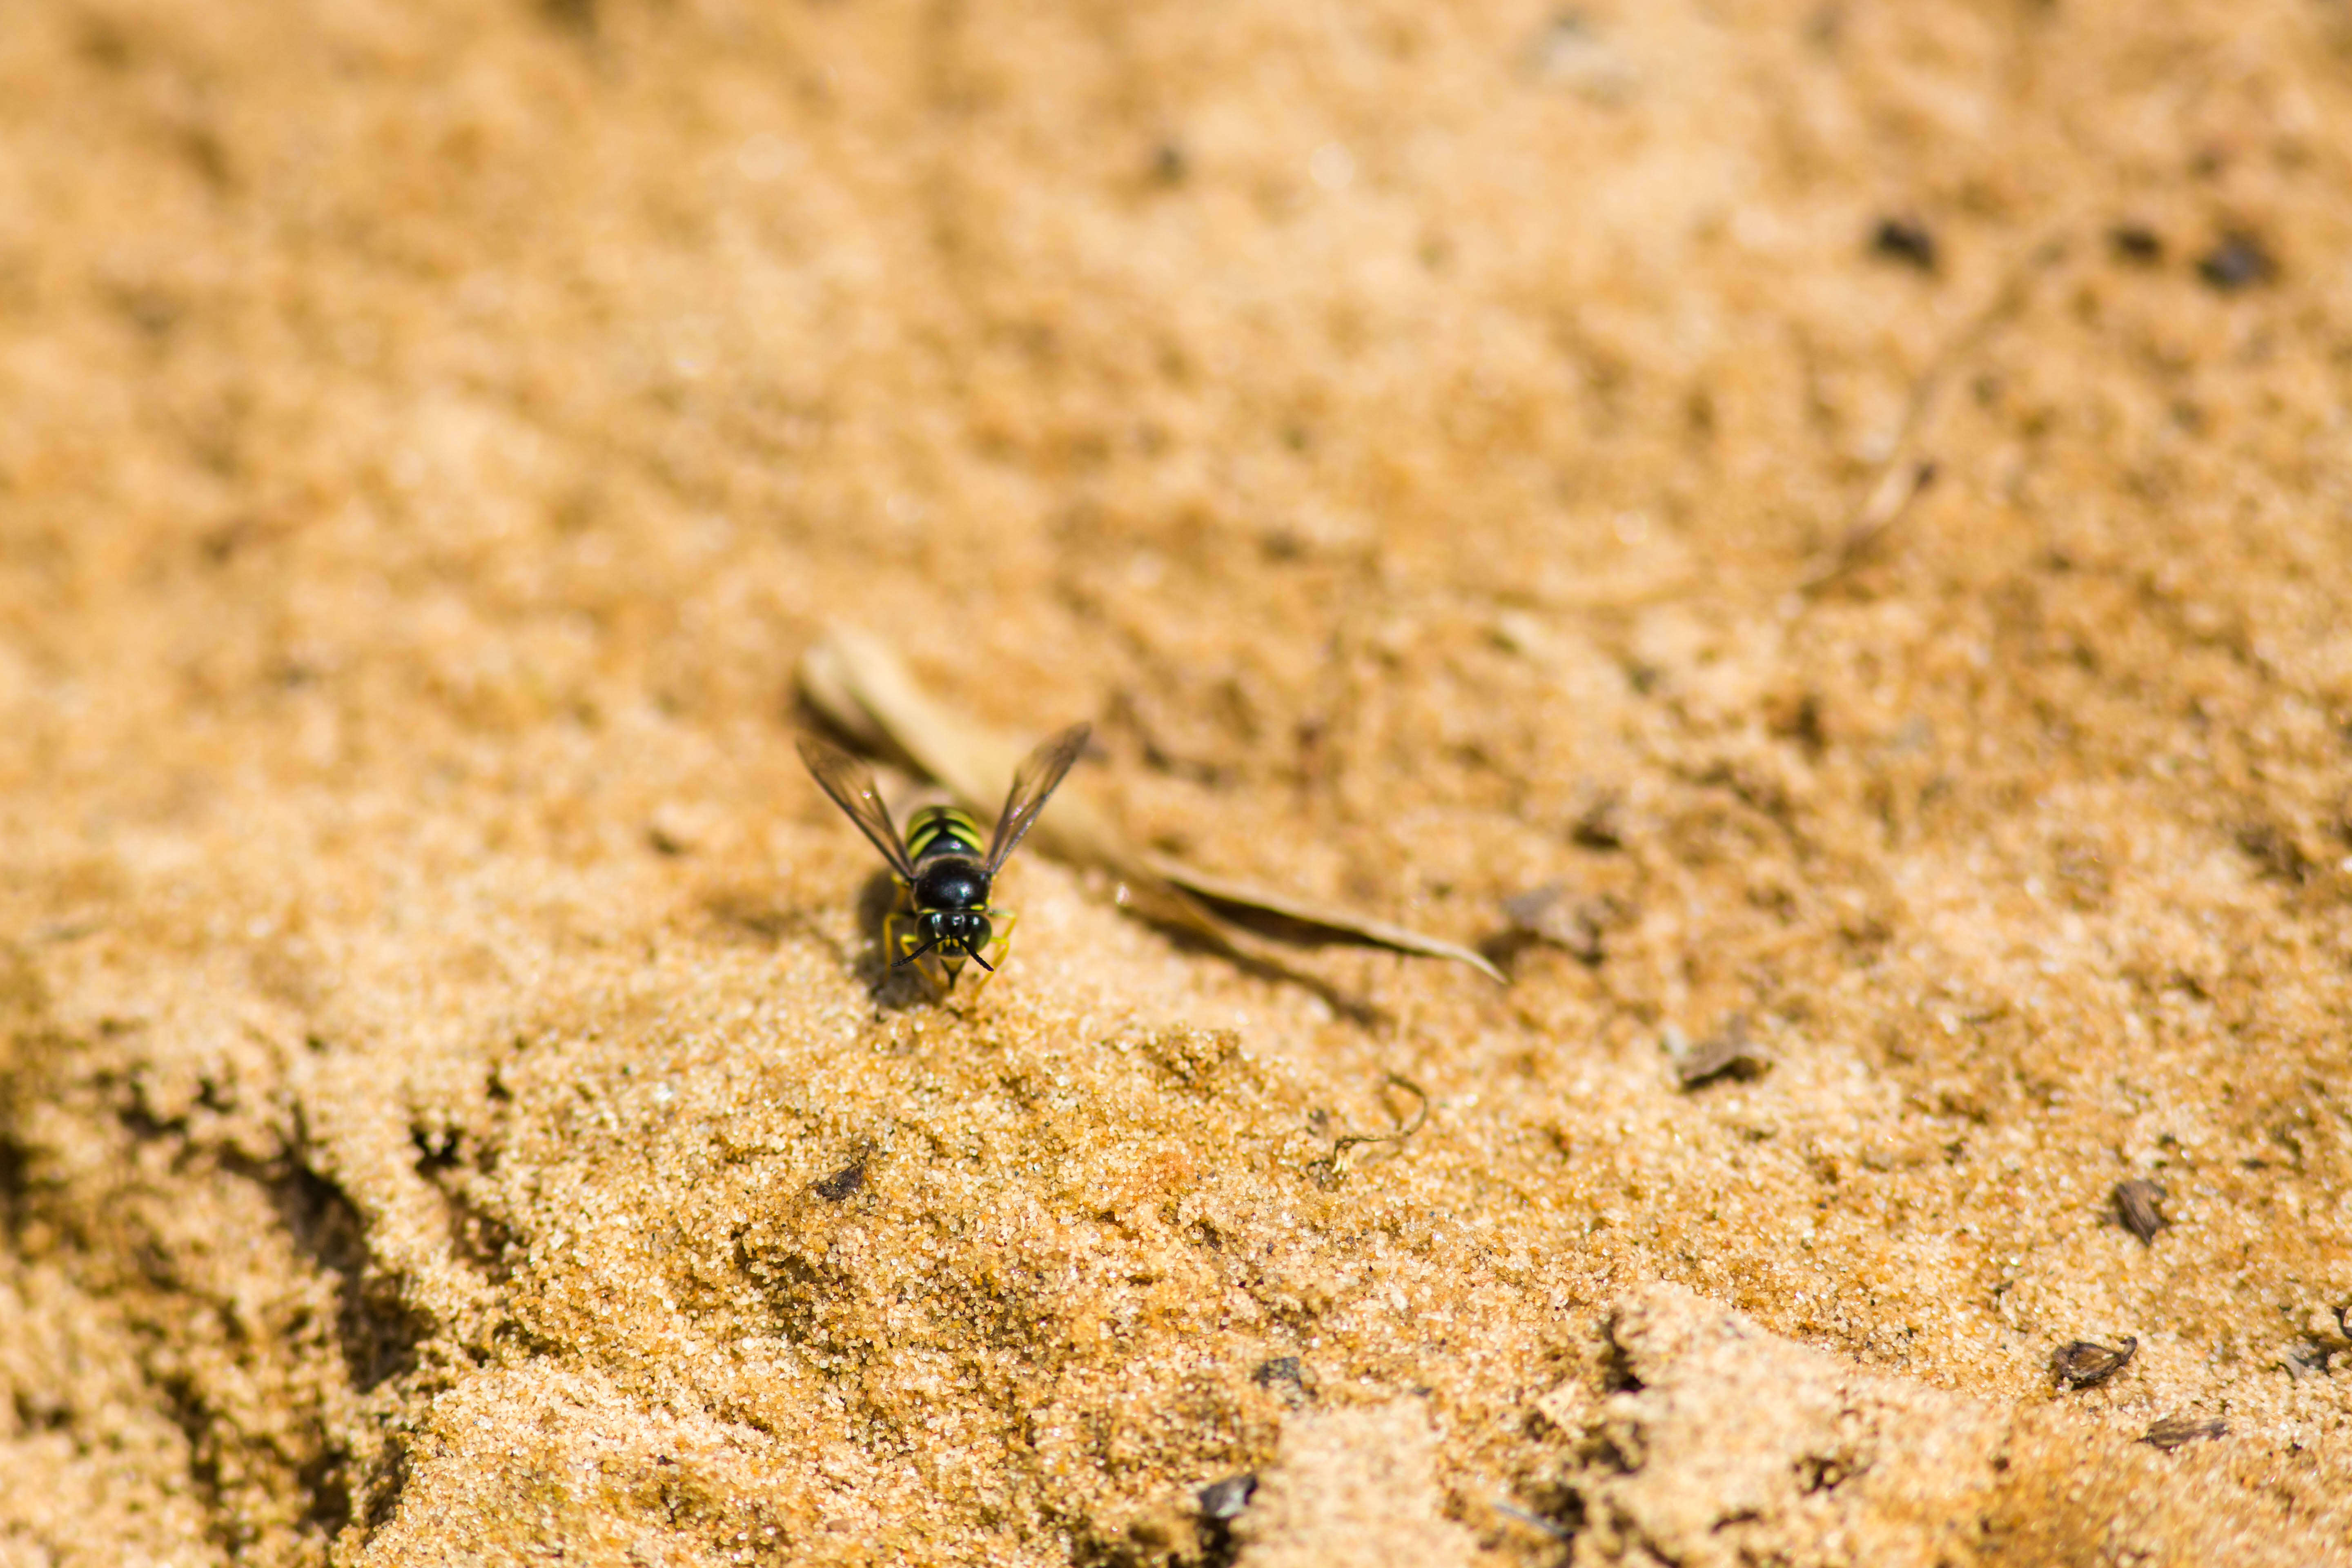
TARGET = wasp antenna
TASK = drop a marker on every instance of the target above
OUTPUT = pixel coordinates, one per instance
(916, 953)
(974, 954)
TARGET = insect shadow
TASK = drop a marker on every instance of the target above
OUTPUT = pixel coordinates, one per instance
(1360, 1011)
(894, 989)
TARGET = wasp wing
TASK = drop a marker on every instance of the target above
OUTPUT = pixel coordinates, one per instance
(851, 784)
(1031, 785)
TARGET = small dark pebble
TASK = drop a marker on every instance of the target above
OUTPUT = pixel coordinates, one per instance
(1730, 1054)
(1906, 240)
(2136, 1207)
(2174, 1431)
(1280, 1369)
(2240, 261)
(2135, 243)
(832, 1189)
(1601, 825)
(1222, 1501)
(2082, 1365)
(1169, 163)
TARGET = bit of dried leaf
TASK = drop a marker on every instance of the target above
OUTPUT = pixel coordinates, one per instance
(2175, 1431)
(862, 689)
(2305, 1361)
(1548, 914)
(2082, 1364)
(1730, 1054)
(675, 830)
(842, 1183)
(1601, 825)
(1286, 1375)
(2136, 1207)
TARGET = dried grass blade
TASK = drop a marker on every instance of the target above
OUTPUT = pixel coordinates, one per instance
(1328, 918)
(862, 687)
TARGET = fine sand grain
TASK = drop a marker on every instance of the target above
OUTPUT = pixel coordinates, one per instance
(1817, 536)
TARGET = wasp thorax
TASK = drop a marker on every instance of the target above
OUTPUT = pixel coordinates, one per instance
(950, 885)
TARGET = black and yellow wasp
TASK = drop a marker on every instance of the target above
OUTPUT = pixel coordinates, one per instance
(944, 915)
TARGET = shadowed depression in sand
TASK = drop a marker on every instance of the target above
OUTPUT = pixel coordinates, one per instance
(1811, 537)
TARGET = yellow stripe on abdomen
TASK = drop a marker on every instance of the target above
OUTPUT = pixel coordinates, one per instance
(941, 830)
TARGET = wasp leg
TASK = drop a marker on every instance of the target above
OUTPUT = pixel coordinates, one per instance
(900, 937)
(1001, 923)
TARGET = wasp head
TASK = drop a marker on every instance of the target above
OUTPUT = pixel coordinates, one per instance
(959, 933)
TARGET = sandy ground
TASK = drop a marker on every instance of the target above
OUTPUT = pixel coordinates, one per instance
(448, 1109)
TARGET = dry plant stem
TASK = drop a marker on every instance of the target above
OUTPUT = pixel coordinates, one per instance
(861, 686)
(1343, 1146)
(1904, 475)
(1532, 1521)
(1330, 917)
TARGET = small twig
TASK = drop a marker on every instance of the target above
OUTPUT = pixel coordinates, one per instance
(1899, 484)
(1903, 475)
(1533, 1521)
(1341, 1146)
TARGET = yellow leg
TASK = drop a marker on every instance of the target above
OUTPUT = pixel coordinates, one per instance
(900, 936)
(1001, 923)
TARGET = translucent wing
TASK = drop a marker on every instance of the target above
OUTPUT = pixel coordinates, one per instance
(1031, 785)
(851, 784)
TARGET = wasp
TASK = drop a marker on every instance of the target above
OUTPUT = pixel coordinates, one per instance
(944, 876)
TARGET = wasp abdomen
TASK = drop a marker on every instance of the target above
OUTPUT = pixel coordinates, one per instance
(944, 844)
(941, 830)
